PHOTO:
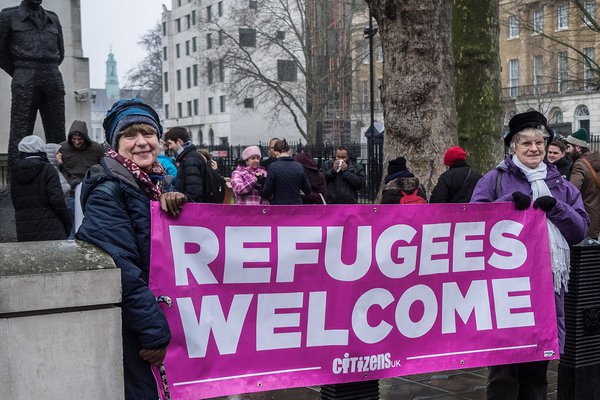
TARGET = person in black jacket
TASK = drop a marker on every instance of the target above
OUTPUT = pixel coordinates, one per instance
(41, 211)
(285, 178)
(191, 165)
(400, 181)
(116, 197)
(557, 155)
(344, 178)
(457, 183)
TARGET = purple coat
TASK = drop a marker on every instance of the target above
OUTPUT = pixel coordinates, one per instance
(568, 215)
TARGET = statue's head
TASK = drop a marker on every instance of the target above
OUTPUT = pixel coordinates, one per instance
(33, 4)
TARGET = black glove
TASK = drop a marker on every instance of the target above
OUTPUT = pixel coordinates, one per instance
(546, 203)
(260, 181)
(522, 201)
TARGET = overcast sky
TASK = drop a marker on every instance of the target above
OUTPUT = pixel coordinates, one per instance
(120, 23)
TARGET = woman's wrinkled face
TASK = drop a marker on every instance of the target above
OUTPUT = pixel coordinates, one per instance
(140, 146)
(253, 162)
(530, 150)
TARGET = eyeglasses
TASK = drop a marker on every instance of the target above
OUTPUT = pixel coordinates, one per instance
(538, 143)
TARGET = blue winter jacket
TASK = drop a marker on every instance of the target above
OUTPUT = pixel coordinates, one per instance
(568, 214)
(120, 225)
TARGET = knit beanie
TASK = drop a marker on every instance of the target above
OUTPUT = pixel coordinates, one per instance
(522, 121)
(79, 127)
(397, 165)
(579, 138)
(125, 113)
(250, 151)
(454, 154)
(31, 144)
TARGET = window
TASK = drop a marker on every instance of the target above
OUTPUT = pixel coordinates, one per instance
(194, 44)
(365, 95)
(537, 73)
(208, 41)
(253, 5)
(221, 70)
(187, 47)
(287, 71)
(248, 102)
(188, 77)
(280, 35)
(195, 74)
(221, 37)
(538, 21)
(209, 13)
(220, 8)
(582, 116)
(193, 17)
(562, 71)
(247, 37)
(364, 54)
(189, 108)
(513, 27)
(178, 79)
(562, 15)
(166, 111)
(557, 117)
(196, 103)
(179, 110)
(164, 28)
(166, 81)
(177, 51)
(178, 25)
(211, 105)
(589, 62)
(211, 137)
(380, 54)
(178, 3)
(590, 8)
(222, 103)
(209, 72)
(201, 134)
(164, 54)
(188, 21)
(513, 77)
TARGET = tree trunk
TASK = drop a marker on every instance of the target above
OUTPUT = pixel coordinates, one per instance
(418, 94)
(478, 87)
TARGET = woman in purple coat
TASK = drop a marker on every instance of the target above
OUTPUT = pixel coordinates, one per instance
(522, 177)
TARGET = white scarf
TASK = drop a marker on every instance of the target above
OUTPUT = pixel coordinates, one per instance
(559, 248)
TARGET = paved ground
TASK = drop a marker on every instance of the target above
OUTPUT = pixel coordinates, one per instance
(449, 385)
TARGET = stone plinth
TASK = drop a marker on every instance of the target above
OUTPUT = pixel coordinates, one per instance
(60, 327)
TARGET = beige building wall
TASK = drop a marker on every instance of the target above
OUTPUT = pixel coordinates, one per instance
(74, 68)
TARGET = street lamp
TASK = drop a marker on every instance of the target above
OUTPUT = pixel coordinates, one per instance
(368, 33)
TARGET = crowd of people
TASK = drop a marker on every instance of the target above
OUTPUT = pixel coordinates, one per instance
(138, 163)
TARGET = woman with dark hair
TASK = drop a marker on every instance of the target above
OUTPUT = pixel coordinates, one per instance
(285, 178)
(316, 179)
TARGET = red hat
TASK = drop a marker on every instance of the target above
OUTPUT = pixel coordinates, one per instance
(454, 154)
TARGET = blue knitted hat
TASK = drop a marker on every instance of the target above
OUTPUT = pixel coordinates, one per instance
(125, 113)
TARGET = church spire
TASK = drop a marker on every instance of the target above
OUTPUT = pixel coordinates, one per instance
(112, 80)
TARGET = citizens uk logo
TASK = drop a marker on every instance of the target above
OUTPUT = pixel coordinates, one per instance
(376, 362)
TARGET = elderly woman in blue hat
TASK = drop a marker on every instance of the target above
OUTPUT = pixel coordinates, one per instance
(116, 197)
(523, 177)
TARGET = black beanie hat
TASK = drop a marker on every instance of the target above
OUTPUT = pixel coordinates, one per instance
(397, 165)
(529, 119)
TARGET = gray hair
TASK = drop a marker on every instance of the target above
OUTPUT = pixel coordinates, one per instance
(528, 133)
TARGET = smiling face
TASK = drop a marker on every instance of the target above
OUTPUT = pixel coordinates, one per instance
(139, 143)
(529, 147)
(554, 153)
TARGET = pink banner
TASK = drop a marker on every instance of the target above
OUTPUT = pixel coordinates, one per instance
(285, 296)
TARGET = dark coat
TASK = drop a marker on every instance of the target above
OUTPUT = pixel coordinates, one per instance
(124, 233)
(564, 166)
(285, 180)
(77, 161)
(454, 186)
(190, 173)
(343, 188)
(392, 191)
(316, 179)
(41, 211)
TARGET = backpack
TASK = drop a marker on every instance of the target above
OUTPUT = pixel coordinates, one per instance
(412, 198)
(214, 186)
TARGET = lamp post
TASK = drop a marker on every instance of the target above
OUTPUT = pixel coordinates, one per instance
(368, 33)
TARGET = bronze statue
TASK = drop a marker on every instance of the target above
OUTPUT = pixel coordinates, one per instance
(31, 49)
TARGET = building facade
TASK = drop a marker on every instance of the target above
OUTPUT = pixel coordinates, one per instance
(548, 53)
(74, 69)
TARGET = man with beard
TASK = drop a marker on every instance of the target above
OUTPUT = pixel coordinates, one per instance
(584, 175)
